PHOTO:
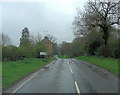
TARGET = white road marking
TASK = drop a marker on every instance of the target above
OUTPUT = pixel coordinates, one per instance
(26, 82)
(68, 62)
(70, 69)
(77, 88)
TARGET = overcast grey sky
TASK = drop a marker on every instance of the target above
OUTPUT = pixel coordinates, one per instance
(55, 16)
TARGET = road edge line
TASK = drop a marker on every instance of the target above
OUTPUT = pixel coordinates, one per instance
(24, 83)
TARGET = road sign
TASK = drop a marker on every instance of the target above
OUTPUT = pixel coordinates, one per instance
(43, 53)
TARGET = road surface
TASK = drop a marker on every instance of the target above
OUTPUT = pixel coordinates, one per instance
(68, 76)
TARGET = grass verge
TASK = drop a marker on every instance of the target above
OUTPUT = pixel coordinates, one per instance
(14, 70)
(0, 76)
(60, 56)
(109, 64)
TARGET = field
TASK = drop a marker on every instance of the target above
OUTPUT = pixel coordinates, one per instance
(14, 70)
(109, 64)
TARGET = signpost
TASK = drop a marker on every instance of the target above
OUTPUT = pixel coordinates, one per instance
(43, 54)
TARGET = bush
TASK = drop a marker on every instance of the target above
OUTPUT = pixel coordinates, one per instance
(13, 53)
(113, 48)
(39, 47)
(10, 53)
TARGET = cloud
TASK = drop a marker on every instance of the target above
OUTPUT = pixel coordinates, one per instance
(56, 17)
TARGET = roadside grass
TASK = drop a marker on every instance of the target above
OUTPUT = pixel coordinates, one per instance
(0, 76)
(109, 64)
(60, 56)
(13, 71)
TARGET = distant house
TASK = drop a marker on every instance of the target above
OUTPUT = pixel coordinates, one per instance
(65, 48)
(49, 46)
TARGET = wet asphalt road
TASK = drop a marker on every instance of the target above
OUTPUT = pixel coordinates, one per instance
(69, 76)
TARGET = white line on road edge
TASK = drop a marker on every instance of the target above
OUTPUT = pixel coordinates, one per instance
(70, 69)
(24, 83)
(27, 80)
(77, 88)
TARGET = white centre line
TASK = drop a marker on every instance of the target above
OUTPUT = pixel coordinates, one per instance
(70, 69)
(77, 88)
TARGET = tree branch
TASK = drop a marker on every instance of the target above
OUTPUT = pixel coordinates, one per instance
(117, 22)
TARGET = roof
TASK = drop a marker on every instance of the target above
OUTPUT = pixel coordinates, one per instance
(46, 40)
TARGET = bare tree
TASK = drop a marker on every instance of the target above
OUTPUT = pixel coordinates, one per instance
(34, 39)
(38, 38)
(52, 38)
(97, 14)
(100, 15)
(5, 40)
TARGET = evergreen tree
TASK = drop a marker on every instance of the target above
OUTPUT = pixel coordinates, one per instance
(25, 38)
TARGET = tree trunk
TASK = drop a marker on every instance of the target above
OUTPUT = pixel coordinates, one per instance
(105, 37)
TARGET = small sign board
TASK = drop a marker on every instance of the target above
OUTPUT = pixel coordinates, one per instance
(43, 53)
